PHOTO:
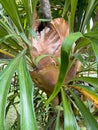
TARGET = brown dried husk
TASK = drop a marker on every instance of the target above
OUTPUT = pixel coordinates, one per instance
(49, 43)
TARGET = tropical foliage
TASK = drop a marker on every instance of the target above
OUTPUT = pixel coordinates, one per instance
(42, 87)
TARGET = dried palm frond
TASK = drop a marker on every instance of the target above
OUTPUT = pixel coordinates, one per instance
(49, 43)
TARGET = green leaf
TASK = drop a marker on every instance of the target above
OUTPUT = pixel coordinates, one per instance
(69, 119)
(91, 80)
(95, 49)
(28, 121)
(34, 4)
(73, 11)
(5, 27)
(93, 38)
(6, 37)
(5, 80)
(57, 127)
(82, 42)
(80, 58)
(87, 92)
(80, 14)
(92, 34)
(40, 57)
(11, 8)
(65, 54)
(28, 9)
(33, 33)
(25, 39)
(66, 6)
(88, 118)
(90, 8)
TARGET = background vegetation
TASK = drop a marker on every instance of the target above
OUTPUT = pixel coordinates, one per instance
(23, 105)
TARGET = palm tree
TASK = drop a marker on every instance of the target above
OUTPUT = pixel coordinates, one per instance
(58, 54)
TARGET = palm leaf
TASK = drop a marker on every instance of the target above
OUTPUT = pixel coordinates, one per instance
(5, 80)
(69, 119)
(26, 98)
(87, 93)
(65, 53)
(88, 118)
(90, 9)
(72, 16)
(11, 8)
(91, 80)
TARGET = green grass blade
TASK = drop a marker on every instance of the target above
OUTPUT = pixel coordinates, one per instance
(28, 121)
(5, 80)
(65, 54)
(88, 118)
(69, 119)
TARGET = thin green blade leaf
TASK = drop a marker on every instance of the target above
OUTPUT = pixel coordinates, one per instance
(25, 39)
(66, 6)
(65, 54)
(90, 8)
(28, 9)
(88, 118)
(5, 27)
(91, 80)
(83, 42)
(73, 11)
(34, 4)
(5, 80)
(11, 8)
(28, 121)
(57, 127)
(87, 92)
(95, 49)
(69, 119)
(93, 38)
(6, 37)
